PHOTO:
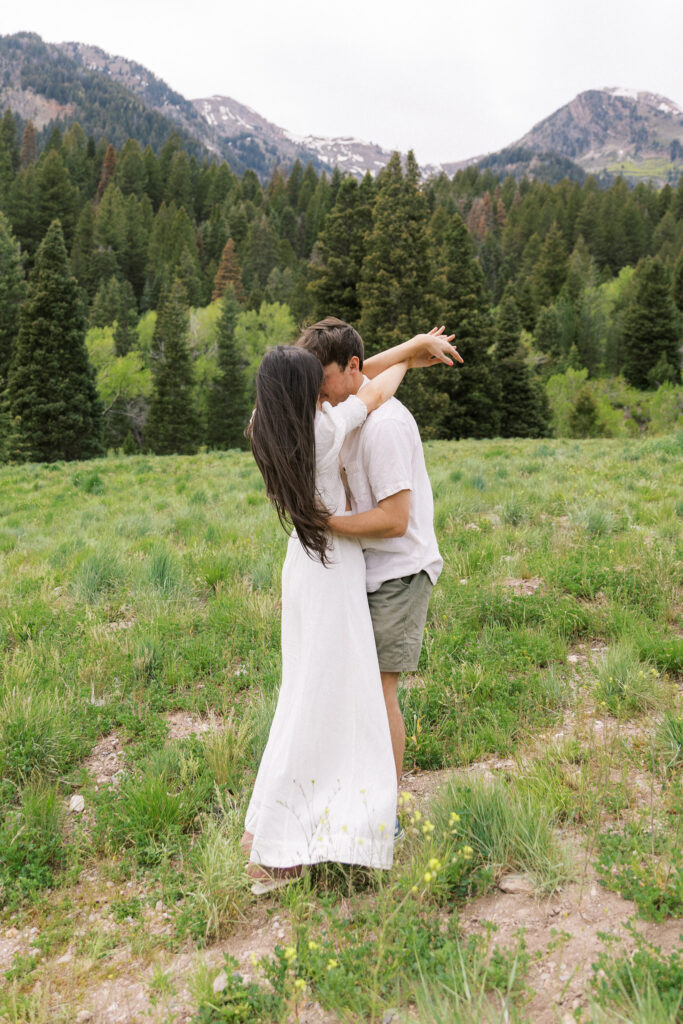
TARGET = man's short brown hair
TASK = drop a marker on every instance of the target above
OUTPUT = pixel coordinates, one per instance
(333, 341)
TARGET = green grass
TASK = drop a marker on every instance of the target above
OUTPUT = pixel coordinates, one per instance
(136, 587)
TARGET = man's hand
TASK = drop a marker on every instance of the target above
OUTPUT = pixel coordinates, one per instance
(432, 348)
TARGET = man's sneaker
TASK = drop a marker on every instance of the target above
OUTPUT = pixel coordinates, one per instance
(399, 832)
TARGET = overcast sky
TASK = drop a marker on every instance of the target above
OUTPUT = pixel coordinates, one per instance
(449, 78)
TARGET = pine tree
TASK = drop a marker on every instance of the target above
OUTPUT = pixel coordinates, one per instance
(551, 269)
(83, 250)
(56, 195)
(130, 174)
(173, 425)
(29, 151)
(139, 218)
(228, 274)
(22, 210)
(114, 303)
(12, 290)
(584, 419)
(678, 283)
(179, 188)
(107, 173)
(260, 256)
(521, 412)
(340, 250)
(172, 246)
(462, 305)
(228, 406)
(75, 156)
(9, 139)
(651, 328)
(396, 270)
(9, 154)
(55, 412)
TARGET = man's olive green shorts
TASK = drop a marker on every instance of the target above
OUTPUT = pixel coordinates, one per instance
(399, 612)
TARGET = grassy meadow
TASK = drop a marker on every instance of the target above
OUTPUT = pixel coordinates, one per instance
(139, 662)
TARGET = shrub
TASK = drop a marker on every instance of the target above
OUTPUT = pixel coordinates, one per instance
(30, 843)
(34, 735)
(625, 683)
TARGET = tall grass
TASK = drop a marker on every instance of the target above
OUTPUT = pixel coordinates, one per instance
(35, 737)
(508, 828)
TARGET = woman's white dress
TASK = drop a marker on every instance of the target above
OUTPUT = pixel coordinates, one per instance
(326, 785)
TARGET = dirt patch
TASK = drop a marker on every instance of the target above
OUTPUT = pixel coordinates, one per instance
(564, 930)
(584, 654)
(106, 763)
(523, 587)
(156, 988)
(182, 724)
(424, 786)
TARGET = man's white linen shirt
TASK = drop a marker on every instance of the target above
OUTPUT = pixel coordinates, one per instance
(381, 458)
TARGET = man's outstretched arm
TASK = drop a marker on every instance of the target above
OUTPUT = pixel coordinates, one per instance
(422, 350)
(388, 519)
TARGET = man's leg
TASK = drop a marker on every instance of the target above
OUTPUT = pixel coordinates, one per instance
(396, 726)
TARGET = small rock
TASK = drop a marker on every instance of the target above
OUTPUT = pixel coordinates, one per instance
(220, 983)
(83, 1016)
(159, 906)
(66, 958)
(11, 933)
(389, 1016)
(516, 884)
(76, 803)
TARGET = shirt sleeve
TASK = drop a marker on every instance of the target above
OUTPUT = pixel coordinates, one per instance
(387, 458)
(334, 422)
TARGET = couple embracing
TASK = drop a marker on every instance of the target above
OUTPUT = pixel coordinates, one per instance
(343, 464)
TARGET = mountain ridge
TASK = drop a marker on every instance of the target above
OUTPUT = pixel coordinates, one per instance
(608, 131)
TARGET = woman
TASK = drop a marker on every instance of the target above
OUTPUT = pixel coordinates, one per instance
(326, 786)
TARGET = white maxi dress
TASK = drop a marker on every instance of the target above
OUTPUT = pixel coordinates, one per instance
(326, 785)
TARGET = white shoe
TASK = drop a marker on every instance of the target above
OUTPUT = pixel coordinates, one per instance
(261, 887)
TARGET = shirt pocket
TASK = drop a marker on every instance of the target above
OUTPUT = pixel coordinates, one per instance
(361, 494)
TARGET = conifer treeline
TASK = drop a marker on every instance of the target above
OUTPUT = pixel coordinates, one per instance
(531, 278)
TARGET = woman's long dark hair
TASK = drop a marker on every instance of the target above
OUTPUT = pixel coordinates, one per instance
(282, 437)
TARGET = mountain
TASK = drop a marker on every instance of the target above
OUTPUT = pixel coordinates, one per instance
(232, 120)
(602, 131)
(621, 131)
(47, 84)
(242, 137)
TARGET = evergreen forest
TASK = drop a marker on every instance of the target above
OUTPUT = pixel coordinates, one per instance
(139, 289)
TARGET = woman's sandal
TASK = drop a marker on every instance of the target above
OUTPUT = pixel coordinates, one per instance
(278, 881)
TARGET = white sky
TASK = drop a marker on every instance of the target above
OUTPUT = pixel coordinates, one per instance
(450, 78)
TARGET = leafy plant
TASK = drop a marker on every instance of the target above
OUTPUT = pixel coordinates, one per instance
(645, 988)
(644, 865)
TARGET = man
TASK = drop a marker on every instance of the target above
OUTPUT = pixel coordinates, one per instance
(391, 497)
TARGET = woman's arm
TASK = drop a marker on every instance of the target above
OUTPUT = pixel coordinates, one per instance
(383, 387)
(422, 350)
